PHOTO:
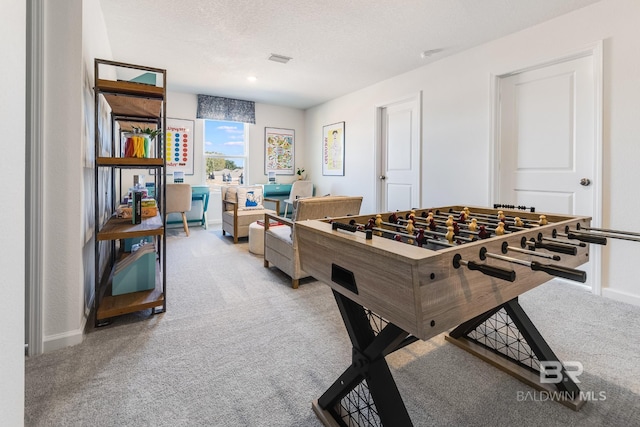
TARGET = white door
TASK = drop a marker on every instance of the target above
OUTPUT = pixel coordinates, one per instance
(547, 139)
(399, 172)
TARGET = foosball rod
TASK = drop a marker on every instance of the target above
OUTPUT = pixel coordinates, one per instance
(506, 248)
(489, 270)
(591, 238)
(439, 224)
(435, 233)
(494, 217)
(438, 219)
(415, 238)
(482, 222)
(604, 235)
(553, 270)
(605, 230)
(550, 246)
(561, 241)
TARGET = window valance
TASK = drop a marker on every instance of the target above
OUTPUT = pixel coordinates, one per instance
(219, 108)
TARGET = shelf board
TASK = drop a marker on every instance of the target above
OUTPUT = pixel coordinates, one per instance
(112, 306)
(130, 162)
(127, 125)
(130, 88)
(122, 228)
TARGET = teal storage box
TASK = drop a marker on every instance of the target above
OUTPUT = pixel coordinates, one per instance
(137, 272)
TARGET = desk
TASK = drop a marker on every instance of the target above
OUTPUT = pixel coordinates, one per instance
(199, 205)
(278, 192)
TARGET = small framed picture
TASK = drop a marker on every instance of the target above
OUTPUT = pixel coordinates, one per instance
(333, 149)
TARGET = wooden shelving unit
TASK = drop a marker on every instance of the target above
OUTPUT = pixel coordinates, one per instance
(129, 104)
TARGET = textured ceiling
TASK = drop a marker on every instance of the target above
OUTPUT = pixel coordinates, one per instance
(338, 46)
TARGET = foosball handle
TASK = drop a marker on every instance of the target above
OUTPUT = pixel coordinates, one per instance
(560, 271)
(492, 271)
(343, 226)
(489, 270)
(554, 247)
(598, 240)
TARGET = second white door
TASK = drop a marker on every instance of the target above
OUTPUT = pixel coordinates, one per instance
(400, 155)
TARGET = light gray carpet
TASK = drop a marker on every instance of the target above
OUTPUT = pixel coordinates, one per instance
(239, 347)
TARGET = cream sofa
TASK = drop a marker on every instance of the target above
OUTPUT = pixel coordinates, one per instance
(280, 244)
(242, 205)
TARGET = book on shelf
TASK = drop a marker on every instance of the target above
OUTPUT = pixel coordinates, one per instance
(136, 207)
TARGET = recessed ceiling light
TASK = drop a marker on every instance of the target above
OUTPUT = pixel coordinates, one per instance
(279, 58)
(252, 78)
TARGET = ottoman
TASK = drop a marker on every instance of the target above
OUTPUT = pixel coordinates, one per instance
(256, 238)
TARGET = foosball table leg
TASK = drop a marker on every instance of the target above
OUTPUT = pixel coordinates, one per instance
(507, 338)
(366, 393)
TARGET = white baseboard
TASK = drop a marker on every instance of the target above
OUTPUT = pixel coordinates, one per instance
(66, 339)
(623, 296)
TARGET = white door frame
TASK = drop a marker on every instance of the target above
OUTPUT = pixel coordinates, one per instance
(34, 281)
(595, 50)
(377, 136)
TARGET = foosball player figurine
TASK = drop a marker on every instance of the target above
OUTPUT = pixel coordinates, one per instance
(501, 216)
(393, 218)
(449, 221)
(378, 223)
(456, 229)
(463, 217)
(543, 220)
(410, 227)
(473, 226)
(500, 229)
(518, 222)
(370, 224)
(450, 236)
(432, 225)
(483, 233)
(420, 238)
(467, 212)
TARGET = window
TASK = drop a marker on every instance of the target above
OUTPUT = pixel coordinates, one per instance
(225, 152)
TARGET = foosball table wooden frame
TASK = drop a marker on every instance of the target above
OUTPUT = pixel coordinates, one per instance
(419, 290)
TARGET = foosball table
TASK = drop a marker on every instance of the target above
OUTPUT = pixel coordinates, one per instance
(402, 276)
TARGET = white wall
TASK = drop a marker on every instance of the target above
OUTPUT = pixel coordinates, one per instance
(62, 210)
(185, 106)
(67, 166)
(12, 217)
(457, 117)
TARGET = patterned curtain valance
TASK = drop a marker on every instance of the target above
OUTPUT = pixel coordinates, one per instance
(218, 108)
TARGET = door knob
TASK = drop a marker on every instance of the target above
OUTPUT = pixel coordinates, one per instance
(382, 177)
(585, 182)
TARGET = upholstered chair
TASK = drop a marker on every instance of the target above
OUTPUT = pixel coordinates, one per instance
(280, 244)
(242, 205)
(179, 201)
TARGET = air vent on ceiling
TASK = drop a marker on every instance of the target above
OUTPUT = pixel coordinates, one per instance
(279, 58)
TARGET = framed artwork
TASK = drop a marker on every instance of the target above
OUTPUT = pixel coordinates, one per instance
(179, 148)
(278, 150)
(333, 149)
